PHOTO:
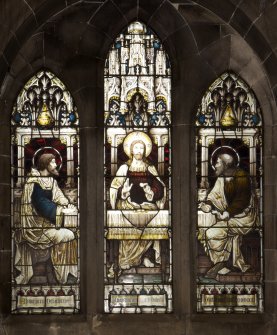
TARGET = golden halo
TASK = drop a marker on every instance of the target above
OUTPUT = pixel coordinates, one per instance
(224, 149)
(48, 150)
(135, 90)
(134, 137)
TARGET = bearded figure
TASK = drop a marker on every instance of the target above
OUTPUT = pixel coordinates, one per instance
(137, 187)
(231, 213)
(43, 206)
(137, 108)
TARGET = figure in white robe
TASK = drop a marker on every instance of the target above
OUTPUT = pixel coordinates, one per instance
(229, 213)
(43, 205)
(137, 186)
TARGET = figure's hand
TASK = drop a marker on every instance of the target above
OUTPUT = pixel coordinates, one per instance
(134, 204)
(149, 194)
(126, 189)
(70, 209)
(64, 202)
(205, 207)
(224, 216)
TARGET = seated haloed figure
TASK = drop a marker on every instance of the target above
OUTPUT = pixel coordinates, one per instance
(43, 206)
(231, 214)
(138, 187)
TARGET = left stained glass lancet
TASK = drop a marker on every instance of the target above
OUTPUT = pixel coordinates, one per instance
(45, 199)
(138, 252)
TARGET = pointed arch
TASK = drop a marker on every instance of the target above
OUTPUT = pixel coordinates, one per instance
(229, 177)
(137, 102)
(45, 198)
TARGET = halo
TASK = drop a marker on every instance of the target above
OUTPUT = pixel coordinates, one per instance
(225, 149)
(135, 90)
(161, 98)
(114, 98)
(48, 150)
(137, 136)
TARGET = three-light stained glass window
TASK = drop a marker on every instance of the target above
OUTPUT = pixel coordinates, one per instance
(45, 198)
(138, 251)
(137, 185)
(229, 177)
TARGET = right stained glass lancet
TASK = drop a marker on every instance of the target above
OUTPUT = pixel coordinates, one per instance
(138, 266)
(229, 177)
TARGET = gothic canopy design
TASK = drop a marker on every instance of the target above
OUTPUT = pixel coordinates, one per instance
(44, 102)
(137, 63)
(229, 102)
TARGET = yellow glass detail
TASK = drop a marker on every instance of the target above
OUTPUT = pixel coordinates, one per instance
(228, 118)
(44, 118)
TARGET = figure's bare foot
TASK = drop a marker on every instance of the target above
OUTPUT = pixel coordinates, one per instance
(212, 273)
(246, 268)
(147, 263)
(224, 271)
(112, 272)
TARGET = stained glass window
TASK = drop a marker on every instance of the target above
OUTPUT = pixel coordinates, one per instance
(138, 249)
(229, 178)
(45, 199)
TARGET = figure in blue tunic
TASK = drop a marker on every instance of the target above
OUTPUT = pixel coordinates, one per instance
(43, 207)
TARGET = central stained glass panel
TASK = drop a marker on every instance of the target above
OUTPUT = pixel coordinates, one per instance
(138, 251)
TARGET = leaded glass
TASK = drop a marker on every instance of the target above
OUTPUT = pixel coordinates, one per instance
(138, 251)
(45, 199)
(229, 178)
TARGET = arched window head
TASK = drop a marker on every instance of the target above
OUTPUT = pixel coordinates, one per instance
(45, 103)
(229, 103)
(229, 178)
(45, 198)
(138, 252)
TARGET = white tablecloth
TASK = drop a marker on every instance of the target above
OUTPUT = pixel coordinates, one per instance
(133, 224)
